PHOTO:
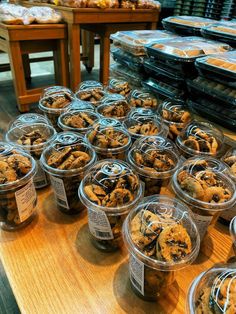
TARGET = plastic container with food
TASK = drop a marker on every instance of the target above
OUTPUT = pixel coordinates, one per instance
(223, 31)
(90, 85)
(119, 86)
(213, 291)
(117, 109)
(143, 124)
(161, 238)
(82, 105)
(55, 89)
(206, 88)
(155, 159)
(92, 95)
(126, 59)
(29, 118)
(232, 230)
(119, 72)
(66, 160)
(108, 122)
(108, 98)
(77, 121)
(141, 98)
(134, 41)
(175, 116)
(109, 142)
(180, 53)
(54, 103)
(200, 138)
(109, 191)
(18, 198)
(33, 138)
(186, 25)
(219, 67)
(204, 185)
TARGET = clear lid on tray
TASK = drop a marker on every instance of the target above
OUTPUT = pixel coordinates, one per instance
(134, 41)
(224, 63)
(225, 28)
(187, 48)
(188, 21)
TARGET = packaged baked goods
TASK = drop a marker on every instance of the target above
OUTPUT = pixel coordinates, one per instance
(200, 138)
(134, 79)
(66, 160)
(127, 59)
(232, 230)
(230, 159)
(55, 89)
(90, 85)
(82, 105)
(54, 103)
(186, 25)
(148, 4)
(108, 122)
(220, 67)
(109, 98)
(223, 31)
(143, 123)
(93, 95)
(141, 98)
(77, 121)
(109, 191)
(103, 4)
(161, 238)
(175, 116)
(12, 14)
(204, 185)
(155, 159)
(206, 88)
(33, 138)
(134, 41)
(18, 197)
(109, 142)
(213, 291)
(28, 118)
(119, 86)
(117, 109)
(45, 15)
(73, 3)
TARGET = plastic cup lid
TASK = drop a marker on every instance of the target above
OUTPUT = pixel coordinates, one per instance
(109, 98)
(108, 122)
(89, 85)
(30, 118)
(177, 113)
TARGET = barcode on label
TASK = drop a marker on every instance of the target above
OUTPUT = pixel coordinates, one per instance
(102, 234)
(61, 202)
(136, 284)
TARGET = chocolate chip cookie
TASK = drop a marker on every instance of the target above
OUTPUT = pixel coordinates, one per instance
(117, 109)
(142, 99)
(91, 95)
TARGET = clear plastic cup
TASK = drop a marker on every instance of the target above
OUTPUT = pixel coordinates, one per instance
(91, 95)
(161, 238)
(213, 291)
(29, 118)
(155, 159)
(109, 142)
(80, 121)
(204, 185)
(175, 116)
(142, 123)
(90, 84)
(141, 98)
(82, 105)
(66, 160)
(232, 230)
(7, 149)
(54, 89)
(18, 197)
(118, 109)
(200, 138)
(108, 122)
(54, 103)
(109, 191)
(33, 138)
(108, 98)
(119, 86)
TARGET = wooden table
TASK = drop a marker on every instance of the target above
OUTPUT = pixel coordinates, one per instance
(19, 41)
(78, 19)
(53, 268)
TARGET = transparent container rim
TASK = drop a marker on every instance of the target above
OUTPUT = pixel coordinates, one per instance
(54, 110)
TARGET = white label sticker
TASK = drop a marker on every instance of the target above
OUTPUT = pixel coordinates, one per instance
(40, 179)
(136, 271)
(26, 200)
(59, 190)
(99, 225)
(202, 223)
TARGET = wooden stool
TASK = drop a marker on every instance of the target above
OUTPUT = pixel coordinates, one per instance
(21, 40)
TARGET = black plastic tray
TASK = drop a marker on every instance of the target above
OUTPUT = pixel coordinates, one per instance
(126, 59)
(228, 38)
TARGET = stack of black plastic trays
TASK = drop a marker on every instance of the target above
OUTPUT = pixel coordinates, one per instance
(183, 7)
(129, 53)
(198, 8)
(213, 93)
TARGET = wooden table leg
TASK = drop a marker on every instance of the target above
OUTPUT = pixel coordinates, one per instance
(88, 49)
(104, 58)
(64, 62)
(17, 70)
(26, 64)
(74, 48)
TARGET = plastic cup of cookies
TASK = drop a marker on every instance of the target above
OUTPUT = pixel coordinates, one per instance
(213, 291)
(161, 238)
(200, 138)
(90, 92)
(77, 121)
(108, 98)
(29, 118)
(108, 122)
(18, 197)
(232, 230)
(143, 123)
(109, 191)
(82, 105)
(117, 109)
(141, 98)
(33, 138)
(55, 89)
(155, 159)
(109, 142)
(119, 86)
(66, 160)
(56, 102)
(204, 185)
(175, 116)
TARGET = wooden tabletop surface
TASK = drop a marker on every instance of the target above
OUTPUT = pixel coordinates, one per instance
(53, 268)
